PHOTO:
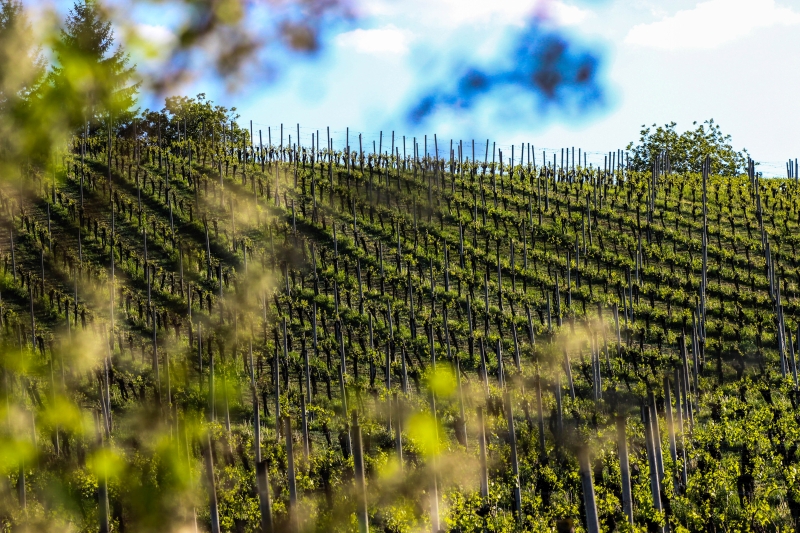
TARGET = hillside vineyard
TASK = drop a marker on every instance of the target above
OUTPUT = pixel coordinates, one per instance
(206, 331)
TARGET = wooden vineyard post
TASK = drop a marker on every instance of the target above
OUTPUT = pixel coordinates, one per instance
(212, 399)
(277, 386)
(483, 369)
(398, 430)
(358, 462)
(630, 304)
(622, 448)
(21, 480)
(569, 284)
(261, 150)
(208, 250)
(180, 267)
(557, 293)
(559, 407)
(105, 390)
(685, 380)
(342, 370)
(616, 325)
(404, 368)
(83, 158)
(199, 352)
(704, 274)
(265, 505)
(673, 450)
(55, 434)
(540, 412)
(102, 488)
(146, 266)
(49, 229)
(547, 190)
(462, 422)
(13, 254)
(791, 352)
(592, 523)
(595, 355)
(696, 364)
(568, 373)
(33, 319)
(155, 355)
(500, 370)
(482, 447)
(462, 264)
(212, 488)
(655, 484)
(293, 516)
(499, 284)
(387, 377)
(256, 411)
(304, 420)
(306, 363)
(680, 400)
(360, 286)
(434, 489)
(514, 461)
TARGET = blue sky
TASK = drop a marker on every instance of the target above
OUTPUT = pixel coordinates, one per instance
(737, 61)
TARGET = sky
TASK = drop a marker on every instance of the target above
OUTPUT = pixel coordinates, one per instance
(736, 61)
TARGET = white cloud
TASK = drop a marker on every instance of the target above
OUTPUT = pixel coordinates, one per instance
(385, 40)
(148, 44)
(567, 15)
(455, 13)
(155, 35)
(449, 13)
(458, 12)
(710, 24)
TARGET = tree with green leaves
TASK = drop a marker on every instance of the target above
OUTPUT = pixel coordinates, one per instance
(687, 151)
(22, 66)
(22, 72)
(92, 76)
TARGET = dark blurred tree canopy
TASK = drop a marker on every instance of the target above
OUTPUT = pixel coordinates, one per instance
(687, 150)
(239, 39)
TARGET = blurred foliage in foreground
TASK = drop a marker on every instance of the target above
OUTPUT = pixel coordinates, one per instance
(91, 83)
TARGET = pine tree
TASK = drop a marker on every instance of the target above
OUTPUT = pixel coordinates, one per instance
(92, 76)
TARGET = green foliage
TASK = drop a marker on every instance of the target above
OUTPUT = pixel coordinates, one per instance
(272, 261)
(22, 66)
(22, 72)
(687, 150)
(90, 83)
(193, 118)
(91, 78)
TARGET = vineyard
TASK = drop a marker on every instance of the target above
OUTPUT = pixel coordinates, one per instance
(210, 328)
